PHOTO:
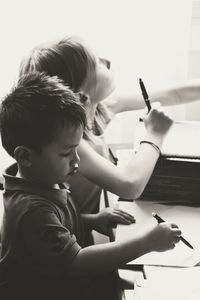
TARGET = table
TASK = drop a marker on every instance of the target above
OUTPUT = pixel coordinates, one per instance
(167, 265)
(183, 257)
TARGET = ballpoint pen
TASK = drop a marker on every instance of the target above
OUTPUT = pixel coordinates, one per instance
(145, 95)
(160, 220)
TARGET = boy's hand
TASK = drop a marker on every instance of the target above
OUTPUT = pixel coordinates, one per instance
(164, 237)
(111, 217)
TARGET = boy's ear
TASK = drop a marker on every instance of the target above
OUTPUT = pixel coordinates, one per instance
(23, 155)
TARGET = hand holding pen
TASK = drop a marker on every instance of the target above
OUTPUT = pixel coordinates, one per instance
(160, 220)
(156, 121)
(163, 237)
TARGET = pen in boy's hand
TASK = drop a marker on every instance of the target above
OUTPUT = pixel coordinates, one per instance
(160, 220)
(145, 95)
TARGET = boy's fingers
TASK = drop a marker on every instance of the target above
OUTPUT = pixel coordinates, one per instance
(120, 219)
(176, 239)
(172, 246)
(177, 232)
(173, 225)
(124, 214)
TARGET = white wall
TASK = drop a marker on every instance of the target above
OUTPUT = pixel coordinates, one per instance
(193, 109)
(143, 38)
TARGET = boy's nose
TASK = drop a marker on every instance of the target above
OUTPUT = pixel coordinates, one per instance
(76, 159)
(74, 164)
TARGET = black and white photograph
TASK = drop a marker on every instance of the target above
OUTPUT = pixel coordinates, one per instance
(100, 150)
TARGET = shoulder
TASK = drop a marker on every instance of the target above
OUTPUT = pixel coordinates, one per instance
(19, 204)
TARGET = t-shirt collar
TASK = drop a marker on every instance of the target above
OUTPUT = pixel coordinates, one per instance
(13, 183)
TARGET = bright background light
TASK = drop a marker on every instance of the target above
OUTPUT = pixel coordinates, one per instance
(144, 38)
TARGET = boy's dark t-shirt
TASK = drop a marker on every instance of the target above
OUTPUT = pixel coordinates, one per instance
(41, 235)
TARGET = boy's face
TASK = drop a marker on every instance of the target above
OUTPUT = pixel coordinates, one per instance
(59, 159)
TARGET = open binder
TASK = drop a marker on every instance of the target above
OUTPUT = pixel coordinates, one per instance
(176, 177)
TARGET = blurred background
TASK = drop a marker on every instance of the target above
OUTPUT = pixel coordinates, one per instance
(157, 40)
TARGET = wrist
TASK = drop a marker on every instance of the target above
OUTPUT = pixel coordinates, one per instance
(154, 138)
(144, 243)
(149, 242)
(153, 145)
(88, 219)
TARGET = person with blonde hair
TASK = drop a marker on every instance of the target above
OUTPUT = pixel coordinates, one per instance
(43, 255)
(72, 60)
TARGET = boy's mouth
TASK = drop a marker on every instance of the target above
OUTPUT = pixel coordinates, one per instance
(74, 171)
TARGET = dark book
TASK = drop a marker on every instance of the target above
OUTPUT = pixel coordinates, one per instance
(176, 176)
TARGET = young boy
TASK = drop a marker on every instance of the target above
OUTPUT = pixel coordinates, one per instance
(42, 253)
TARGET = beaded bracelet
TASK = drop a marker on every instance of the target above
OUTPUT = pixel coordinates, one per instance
(153, 145)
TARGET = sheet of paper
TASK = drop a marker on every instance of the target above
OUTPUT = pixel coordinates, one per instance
(188, 220)
(170, 283)
(182, 139)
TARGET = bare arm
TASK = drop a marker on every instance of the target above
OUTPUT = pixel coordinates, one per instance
(182, 93)
(107, 257)
(54, 248)
(106, 218)
(130, 180)
(127, 182)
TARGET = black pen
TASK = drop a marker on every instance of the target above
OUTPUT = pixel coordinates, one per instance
(160, 220)
(145, 95)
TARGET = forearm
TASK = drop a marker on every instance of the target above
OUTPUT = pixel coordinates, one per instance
(107, 257)
(125, 102)
(88, 220)
(139, 170)
(182, 93)
(126, 181)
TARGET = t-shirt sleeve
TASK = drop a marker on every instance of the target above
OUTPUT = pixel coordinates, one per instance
(49, 246)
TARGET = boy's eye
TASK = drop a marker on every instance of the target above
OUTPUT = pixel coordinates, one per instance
(65, 154)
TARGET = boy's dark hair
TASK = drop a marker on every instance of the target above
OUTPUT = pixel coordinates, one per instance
(31, 113)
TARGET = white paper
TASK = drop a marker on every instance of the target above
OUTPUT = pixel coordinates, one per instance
(170, 283)
(188, 134)
(188, 220)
